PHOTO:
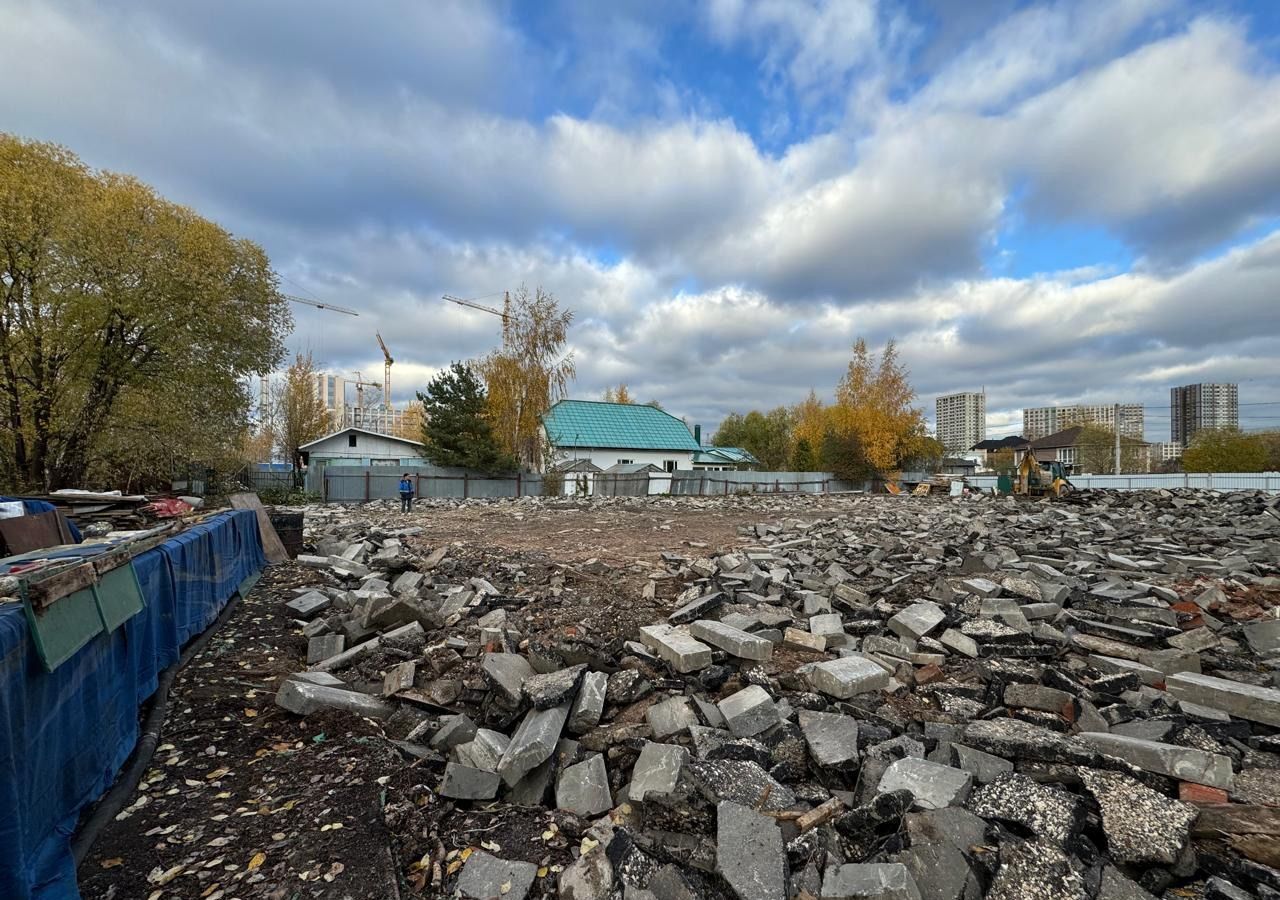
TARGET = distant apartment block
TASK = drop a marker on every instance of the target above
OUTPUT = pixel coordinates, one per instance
(1195, 407)
(961, 420)
(1166, 451)
(332, 391)
(1040, 421)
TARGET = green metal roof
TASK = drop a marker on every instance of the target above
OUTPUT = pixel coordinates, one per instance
(735, 455)
(629, 426)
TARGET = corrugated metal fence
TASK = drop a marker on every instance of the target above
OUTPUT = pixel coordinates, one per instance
(1220, 481)
(358, 484)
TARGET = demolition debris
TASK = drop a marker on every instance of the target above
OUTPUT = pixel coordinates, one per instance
(915, 698)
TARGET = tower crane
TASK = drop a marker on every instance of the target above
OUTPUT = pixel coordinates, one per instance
(318, 305)
(503, 313)
(386, 371)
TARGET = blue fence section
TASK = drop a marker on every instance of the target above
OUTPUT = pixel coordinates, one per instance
(1219, 481)
(66, 733)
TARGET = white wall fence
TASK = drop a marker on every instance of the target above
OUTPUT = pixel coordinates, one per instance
(1215, 481)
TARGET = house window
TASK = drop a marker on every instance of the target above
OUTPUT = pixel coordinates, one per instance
(669, 465)
(351, 440)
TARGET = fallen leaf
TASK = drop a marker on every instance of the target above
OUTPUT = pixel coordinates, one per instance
(491, 846)
(250, 713)
(542, 872)
(210, 889)
(258, 859)
(505, 888)
(455, 866)
(112, 863)
(217, 773)
(466, 854)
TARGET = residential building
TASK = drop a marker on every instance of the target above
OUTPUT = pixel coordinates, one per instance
(984, 450)
(1166, 451)
(332, 391)
(1040, 421)
(961, 420)
(1064, 446)
(1195, 407)
(382, 419)
(361, 447)
(724, 459)
(613, 434)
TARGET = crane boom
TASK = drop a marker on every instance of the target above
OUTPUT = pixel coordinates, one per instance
(318, 305)
(480, 306)
(386, 371)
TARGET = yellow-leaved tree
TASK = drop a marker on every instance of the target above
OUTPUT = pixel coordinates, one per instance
(530, 372)
(620, 394)
(872, 417)
(300, 413)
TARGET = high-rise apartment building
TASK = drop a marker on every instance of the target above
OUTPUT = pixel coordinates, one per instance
(961, 420)
(1037, 422)
(1195, 407)
(332, 391)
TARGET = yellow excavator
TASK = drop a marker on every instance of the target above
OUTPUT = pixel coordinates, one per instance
(1038, 479)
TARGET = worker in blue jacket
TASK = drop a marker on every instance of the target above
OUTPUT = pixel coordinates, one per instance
(406, 493)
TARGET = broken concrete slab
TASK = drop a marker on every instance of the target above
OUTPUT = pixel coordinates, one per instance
(856, 881)
(917, 620)
(749, 711)
(749, 853)
(507, 672)
(1246, 701)
(326, 646)
(732, 640)
(583, 789)
(657, 771)
(832, 738)
(304, 699)
(1185, 763)
(533, 742)
(467, 783)
(485, 877)
(676, 648)
(847, 677)
(670, 717)
(588, 706)
(932, 785)
(550, 689)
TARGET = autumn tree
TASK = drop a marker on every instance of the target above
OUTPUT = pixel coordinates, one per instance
(803, 457)
(1003, 461)
(301, 416)
(1096, 452)
(530, 372)
(809, 420)
(111, 296)
(1225, 450)
(766, 435)
(620, 394)
(874, 406)
(456, 430)
(1271, 443)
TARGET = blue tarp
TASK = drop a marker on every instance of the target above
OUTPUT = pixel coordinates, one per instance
(68, 732)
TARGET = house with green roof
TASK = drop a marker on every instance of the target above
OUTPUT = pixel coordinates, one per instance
(612, 434)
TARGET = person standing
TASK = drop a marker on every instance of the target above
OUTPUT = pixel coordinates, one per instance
(406, 493)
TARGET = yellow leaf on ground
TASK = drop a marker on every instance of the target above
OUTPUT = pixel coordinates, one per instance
(542, 872)
(250, 713)
(455, 866)
(257, 861)
(466, 854)
(112, 863)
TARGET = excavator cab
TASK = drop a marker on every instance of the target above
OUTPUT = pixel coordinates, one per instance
(1037, 479)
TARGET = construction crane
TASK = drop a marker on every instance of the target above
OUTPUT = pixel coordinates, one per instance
(361, 384)
(503, 313)
(318, 305)
(386, 371)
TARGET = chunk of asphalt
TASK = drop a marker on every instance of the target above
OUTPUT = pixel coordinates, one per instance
(553, 688)
(1140, 825)
(1052, 814)
(1034, 870)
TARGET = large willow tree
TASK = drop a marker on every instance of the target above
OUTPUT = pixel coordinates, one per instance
(128, 324)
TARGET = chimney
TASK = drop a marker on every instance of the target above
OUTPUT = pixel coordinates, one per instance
(697, 435)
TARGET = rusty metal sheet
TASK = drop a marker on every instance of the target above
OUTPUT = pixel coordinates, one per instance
(27, 533)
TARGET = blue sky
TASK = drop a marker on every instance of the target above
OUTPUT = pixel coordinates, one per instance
(1058, 201)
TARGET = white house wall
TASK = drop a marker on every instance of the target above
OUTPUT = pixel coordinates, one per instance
(368, 446)
(606, 458)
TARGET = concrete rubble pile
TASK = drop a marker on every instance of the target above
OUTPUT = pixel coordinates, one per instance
(933, 700)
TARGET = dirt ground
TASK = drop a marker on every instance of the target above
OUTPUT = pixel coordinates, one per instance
(245, 800)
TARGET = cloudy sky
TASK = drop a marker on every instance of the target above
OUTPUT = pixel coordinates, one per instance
(1058, 202)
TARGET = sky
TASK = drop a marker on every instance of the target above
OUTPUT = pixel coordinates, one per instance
(1051, 202)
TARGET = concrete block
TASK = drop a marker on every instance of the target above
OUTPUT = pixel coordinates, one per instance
(304, 698)
(676, 648)
(485, 877)
(832, 738)
(917, 620)
(732, 640)
(588, 706)
(467, 783)
(533, 742)
(657, 771)
(749, 853)
(856, 881)
(584, 789)
(933, 786)
(1184, 763)
(749, 711)
(1245, 701)
(670, 717)
(960, 643)
(324, 647)
(844, 678)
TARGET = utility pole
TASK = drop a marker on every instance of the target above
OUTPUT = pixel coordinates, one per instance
(1117, 426)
